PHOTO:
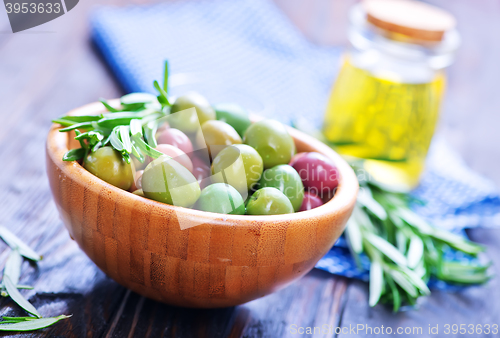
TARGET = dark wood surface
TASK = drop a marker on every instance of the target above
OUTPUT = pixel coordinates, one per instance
(48, 70)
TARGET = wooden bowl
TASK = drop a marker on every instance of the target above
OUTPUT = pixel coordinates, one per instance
(224, 261)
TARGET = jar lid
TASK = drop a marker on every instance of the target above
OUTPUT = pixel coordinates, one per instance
(414, 19)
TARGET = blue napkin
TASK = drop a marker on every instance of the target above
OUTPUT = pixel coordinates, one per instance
(248, 52)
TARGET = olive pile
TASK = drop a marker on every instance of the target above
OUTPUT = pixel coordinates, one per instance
(216, 160)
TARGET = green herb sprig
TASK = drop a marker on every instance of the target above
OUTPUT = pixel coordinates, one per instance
(404, 250)
(129, 129)
(10, 286)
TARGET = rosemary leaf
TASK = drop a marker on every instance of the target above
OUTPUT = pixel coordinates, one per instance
(478, 278)
(355, 238)
(376, 282)
(30, 325)
(115, 140)
(416, 280)
(146, 148)
(113, 122)
(18, 298)
(463, 269)
(9, 321)
(125, 138)
(83, 125)
(90, 135)
(162, 98)
(137, 153)
(13, 266)
(136, 101)
(81, 141)
(415, 251)
(16, 244)
(421, 271)
(108, 107)
(70, 120)
(150, 133)
(457, 242)
(386, 248)
(96, 146)
(74, 154)
(18, 286)
(396, 297)
(18, 319)
(414, 220)
(366, 199)
(165, 77)
(136, 128)
(404, 283)
(126, 156)
(364, 221)
(401, 242)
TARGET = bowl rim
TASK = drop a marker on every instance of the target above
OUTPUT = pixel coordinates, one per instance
(345, 196)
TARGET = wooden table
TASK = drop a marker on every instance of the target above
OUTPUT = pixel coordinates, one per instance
(46, 71)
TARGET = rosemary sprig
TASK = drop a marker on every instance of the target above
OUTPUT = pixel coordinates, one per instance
(16, 244)
(129, 129)
(11, 274)
(405, 251)
(29, 324)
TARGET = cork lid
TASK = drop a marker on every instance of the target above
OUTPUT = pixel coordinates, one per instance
(414, 19)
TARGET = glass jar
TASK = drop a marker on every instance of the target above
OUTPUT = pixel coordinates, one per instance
(385, 102)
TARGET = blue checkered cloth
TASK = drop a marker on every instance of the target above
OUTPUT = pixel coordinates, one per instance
(248, 52)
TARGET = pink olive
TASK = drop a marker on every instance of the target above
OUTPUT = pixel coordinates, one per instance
(318, 173)
(310, 201)
(177, 154)
(176, 138)
(162, 128)
(202, 171)
(138, 179)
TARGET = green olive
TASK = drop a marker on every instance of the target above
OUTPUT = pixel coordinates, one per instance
(109, 165)
(272, 141)
(238, 165)
(139, 192)
(216, 135)
(287, 180)
(234, 115)
(165, 180)
(269, 201)
(188, 122)
(222, 199)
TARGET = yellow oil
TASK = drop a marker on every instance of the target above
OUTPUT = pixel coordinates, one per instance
(384, 121)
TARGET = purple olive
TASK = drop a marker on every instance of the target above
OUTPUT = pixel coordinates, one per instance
(310, 201)
(318, 173)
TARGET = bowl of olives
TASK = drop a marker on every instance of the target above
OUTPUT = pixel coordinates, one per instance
(196, 205)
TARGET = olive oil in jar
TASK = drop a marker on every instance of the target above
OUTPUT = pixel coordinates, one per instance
(384, 121)
(384, 105)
